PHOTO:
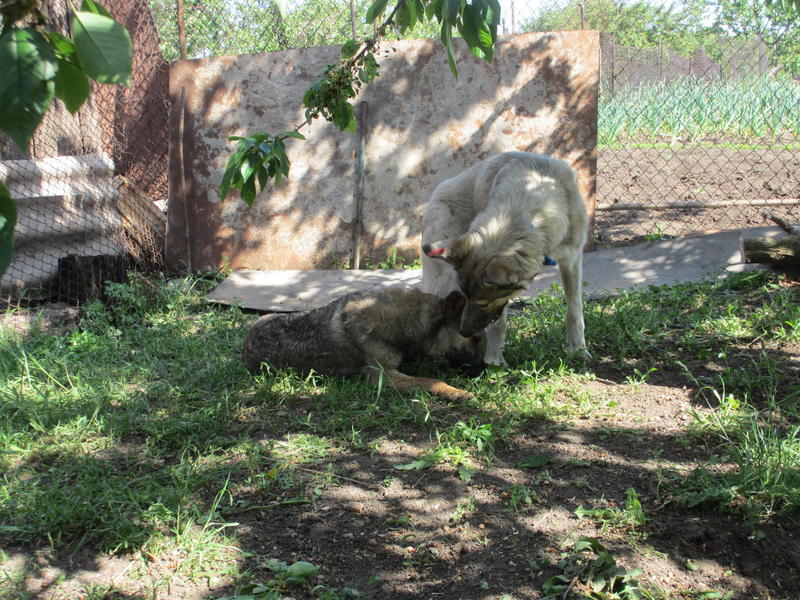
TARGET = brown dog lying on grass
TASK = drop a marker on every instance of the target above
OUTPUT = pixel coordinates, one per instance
(365, 332)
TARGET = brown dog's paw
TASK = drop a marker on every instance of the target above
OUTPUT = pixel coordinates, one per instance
(457, 395)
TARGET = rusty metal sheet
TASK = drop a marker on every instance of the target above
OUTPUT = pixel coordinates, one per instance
(422, 126)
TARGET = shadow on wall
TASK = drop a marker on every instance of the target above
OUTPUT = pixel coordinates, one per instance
(422, 126)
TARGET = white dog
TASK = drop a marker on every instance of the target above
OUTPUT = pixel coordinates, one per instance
(489, 230)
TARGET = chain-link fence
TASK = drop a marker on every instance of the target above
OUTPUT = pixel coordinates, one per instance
(698, 126)
(694, 143)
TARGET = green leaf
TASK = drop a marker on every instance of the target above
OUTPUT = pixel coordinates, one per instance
(447, 40)
(589, 542)
(406, 16)
(63, 46)
(277, 565)
(26, 82)
(72, 85)
(248, 191)
(432, 9)
(598, 584)
(231, 177)
(292, 134)
(283, 160)
(8, 212)
(301, 570)
(534, 461)
(95, 7)
(349, 48)
(411, 8)
(266, 149)
(249, 166)
(492, 17)
(476, 32)
(104, 47)
(375, 10)
(452, 8)
(465, 473)
(263, 177)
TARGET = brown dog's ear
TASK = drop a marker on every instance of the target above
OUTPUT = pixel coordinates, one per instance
(454, 304)
(450, 251)
(504, 273)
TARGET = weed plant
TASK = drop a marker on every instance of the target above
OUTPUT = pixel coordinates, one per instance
(693, 110)
(608, 515)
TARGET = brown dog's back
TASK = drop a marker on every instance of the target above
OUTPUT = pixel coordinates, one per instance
(302, 341)
(363, 330)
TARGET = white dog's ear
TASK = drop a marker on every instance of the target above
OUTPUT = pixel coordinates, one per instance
(447, 250)
(504, 273)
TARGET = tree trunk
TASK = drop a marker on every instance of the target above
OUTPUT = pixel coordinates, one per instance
(783, 251)
(780, 252)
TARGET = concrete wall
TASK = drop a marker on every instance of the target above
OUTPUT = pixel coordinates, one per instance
(422, 126)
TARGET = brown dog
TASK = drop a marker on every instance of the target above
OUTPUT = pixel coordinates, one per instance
(365, 332)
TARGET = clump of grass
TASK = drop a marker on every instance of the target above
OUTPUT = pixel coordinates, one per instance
(91, 417)
(755, 469)
(628, 518)
(589, 570)
(753, 421)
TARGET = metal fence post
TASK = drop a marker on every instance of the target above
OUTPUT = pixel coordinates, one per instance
(358, 225)
(613, 64)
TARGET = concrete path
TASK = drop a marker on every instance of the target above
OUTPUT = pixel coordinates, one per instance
(604, 272)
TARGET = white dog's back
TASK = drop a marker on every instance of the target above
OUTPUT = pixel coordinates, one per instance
(542, 188)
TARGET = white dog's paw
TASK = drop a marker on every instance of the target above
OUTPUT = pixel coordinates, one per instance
(498, 360)
(579, 352)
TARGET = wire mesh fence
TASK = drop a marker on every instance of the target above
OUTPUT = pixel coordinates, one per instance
(86, 189)
(694, 143)
(697, 125)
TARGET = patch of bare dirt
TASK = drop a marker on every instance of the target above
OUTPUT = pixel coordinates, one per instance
(741, 177)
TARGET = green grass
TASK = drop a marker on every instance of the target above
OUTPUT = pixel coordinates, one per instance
(141, 429)
(746, 111)
(728, 145)
(755, 425)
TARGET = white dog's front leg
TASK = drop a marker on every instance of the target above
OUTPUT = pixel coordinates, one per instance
(571, 276)
(495, 340)
(438, 278)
